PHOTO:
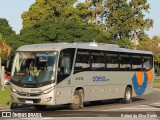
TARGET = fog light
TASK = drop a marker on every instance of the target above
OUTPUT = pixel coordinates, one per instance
(49, 99)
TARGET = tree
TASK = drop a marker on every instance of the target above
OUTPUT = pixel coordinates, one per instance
(151, 45)
(140, 24)
(5, 29)
(83, 14)
(5, 49)
(49, 31)
(57, 10)
(119, 22)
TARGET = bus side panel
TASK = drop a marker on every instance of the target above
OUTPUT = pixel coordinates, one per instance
(113, 87)
(101, 85)
(63, 95)
(64, 91)
(106, 92)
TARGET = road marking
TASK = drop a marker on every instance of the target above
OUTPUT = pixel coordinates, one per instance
(139, 108)
(149, 107)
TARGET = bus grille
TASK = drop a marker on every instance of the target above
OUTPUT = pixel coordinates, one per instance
(28, 94)
(34, 100)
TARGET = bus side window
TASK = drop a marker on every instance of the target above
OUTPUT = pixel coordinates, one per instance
(98, 61)
(136, 62)
(125, 62)
(147, 62)
(82, 61)
(112, 62)
(66, 65)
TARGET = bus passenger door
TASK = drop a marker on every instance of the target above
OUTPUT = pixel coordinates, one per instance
(63, 76)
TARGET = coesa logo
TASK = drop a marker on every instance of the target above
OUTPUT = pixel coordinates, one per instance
(140, 81)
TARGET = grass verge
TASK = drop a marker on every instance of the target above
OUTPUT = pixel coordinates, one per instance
(156, 84)
(5, 98)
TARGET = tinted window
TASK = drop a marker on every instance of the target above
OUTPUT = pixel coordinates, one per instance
(82, 61)
(98, 60)
(112, 61)
(136, 62)
(125, 63)
(147, 62)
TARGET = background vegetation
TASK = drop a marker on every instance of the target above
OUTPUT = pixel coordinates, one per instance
(121, 22)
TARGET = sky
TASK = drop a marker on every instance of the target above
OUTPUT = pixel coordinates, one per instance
(12, 10)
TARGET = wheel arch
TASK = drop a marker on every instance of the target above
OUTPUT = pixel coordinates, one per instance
(130, 86)
(81, 89)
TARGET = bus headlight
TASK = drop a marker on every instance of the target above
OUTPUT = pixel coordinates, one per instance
(47, 90)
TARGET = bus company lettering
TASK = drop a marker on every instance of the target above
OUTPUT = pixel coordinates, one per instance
(140, 81)
(100, 79)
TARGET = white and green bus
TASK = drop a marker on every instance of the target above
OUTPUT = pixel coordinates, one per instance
(73, 73)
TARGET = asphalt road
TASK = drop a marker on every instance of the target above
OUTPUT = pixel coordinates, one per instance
(144, 107)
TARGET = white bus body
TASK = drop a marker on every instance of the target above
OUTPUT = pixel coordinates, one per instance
(72, 73)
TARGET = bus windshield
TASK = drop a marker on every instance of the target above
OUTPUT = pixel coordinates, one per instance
(34, 69)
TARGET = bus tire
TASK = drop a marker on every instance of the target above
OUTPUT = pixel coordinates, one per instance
(127, 95)
(76, 100)
(40, 107)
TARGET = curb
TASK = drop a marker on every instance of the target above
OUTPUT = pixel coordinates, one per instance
(4, 107)
(156, 89)
(21, 106)
(10, 107)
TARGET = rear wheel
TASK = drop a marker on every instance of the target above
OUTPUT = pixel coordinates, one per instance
(40, 107)
(127, 95)
(76, 100)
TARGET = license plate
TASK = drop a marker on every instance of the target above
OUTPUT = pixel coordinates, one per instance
(29, 101)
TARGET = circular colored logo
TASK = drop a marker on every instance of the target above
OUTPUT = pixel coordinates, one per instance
(140, 81)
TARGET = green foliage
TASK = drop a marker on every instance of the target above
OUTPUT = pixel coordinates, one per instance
(119, 22)
(156, 83)
(5, 29)
(5, 32)
(140, 23)
(151, 45)
(57, 10)
(1, 37)
(5, 96)
(83, 14)
(50, 31)
(60, 21)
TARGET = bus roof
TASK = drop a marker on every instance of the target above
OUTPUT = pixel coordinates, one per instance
(82, 45)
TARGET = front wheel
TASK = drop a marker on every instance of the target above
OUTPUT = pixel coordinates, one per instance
(76, 100)
(127, 95)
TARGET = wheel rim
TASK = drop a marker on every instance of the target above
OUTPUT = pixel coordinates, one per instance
(128, 95)
(76, 100)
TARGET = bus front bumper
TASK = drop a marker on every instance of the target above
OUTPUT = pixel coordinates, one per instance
(42, 99)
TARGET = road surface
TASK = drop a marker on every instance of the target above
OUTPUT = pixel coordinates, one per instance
(143, 107)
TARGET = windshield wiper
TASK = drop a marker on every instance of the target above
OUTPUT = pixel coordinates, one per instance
(35, 77)
(27, 78)
(21, 79)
